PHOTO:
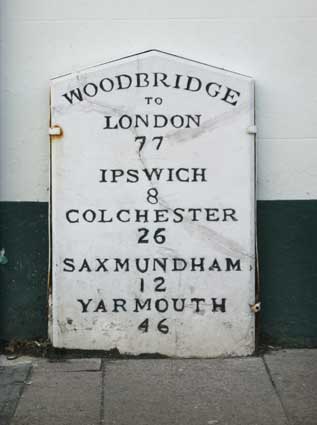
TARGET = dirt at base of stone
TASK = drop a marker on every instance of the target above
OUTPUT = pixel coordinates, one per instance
(44, 348)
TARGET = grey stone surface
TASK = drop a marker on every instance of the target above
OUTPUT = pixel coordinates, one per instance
(66, 393)
(19, 360)
(61, 365)
(70, 365)
(193, 392)
(162, 392)
(12, 381)
(294, 373)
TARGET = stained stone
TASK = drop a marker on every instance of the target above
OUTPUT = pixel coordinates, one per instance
(153, 204)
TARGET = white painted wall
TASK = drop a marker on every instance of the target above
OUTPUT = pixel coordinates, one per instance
(274, 41)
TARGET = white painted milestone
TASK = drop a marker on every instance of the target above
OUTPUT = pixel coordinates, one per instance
(153, 208)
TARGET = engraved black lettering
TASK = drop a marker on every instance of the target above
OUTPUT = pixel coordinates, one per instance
(85, 266)
(84, 305)
(119, 303)
(69, 262)
(121, 265)
(231, 96)
(161, 305)
(179, 304)
(72, 216)
(229, 212)
(100, 307)
(73, 94)
(142, 305)
(197, 301)
(101, 264)
(216, 306)
(230, 265)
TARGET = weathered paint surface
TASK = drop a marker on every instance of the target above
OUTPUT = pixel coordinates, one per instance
(198, 302)
(272, 41)
(287, 235)
(286, 238)
(23, 288)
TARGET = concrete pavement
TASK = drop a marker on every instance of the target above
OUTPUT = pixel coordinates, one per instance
(275, 389)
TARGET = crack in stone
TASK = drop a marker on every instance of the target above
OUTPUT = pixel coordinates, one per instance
(187, 134)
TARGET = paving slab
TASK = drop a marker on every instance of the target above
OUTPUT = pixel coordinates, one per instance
(15, 360)
(187, 392)
(294, 373)
(69, 365)
(12, 381)
(60, 364)
(65, 393)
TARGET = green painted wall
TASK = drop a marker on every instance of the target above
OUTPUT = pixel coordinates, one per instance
(287, 240)
(23, 287)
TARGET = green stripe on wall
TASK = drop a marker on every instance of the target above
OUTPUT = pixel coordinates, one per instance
(23, 288)
(287, 240)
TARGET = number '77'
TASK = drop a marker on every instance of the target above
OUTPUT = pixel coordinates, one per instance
(142, 140)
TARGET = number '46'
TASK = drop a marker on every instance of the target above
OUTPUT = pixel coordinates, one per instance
(161, 327)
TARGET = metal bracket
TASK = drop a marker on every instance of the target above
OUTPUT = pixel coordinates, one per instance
(252, 129)
(255, 307)
(55, 131)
